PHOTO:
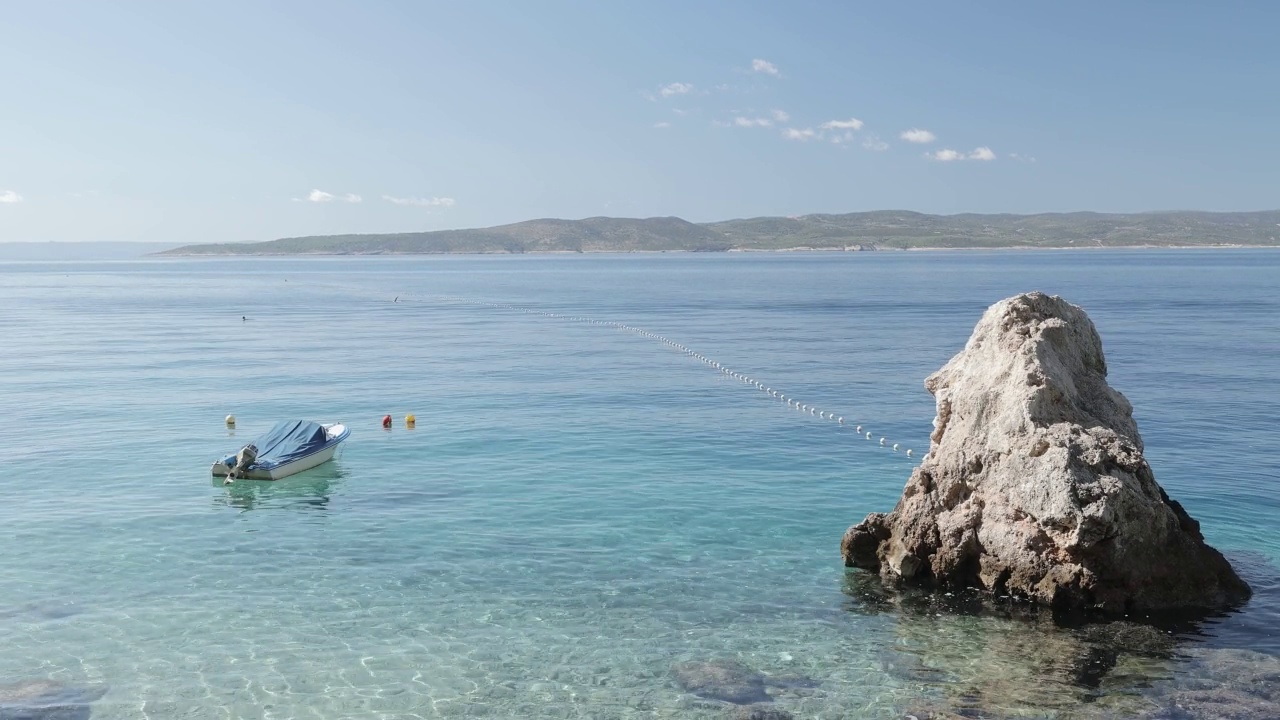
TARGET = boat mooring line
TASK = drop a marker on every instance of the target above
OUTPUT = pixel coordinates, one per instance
(790, 401)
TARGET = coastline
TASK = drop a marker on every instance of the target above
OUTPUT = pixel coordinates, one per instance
(733, 251)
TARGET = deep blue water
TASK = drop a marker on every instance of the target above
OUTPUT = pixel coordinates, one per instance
(579, 506)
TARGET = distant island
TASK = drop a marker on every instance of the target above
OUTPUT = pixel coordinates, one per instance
(880, 230)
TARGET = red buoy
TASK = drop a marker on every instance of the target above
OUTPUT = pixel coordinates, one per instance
(386, 421)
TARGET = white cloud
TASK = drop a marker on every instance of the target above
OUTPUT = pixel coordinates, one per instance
(948, 155)
(662, 125)
(801, 135)
(9, 196)
(781, 115)
(421, 202)
(918, 136)
(1022, 158)
(850, 124)
(676, 88)
(747, 122)
(320, 196)
(843, 138)
(680, 112)
(873, 142)
(766, 67)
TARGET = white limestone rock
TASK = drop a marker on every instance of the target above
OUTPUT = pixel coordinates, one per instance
(1035, 484)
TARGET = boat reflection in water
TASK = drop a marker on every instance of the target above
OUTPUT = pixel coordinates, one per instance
(306, 491)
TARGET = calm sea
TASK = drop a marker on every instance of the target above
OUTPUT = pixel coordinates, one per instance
(580, 506)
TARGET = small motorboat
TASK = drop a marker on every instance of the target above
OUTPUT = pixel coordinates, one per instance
(289, 448)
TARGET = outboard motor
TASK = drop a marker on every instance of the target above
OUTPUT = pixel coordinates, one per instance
(246, 457)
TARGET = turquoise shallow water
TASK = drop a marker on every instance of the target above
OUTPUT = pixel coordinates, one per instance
(579, 507)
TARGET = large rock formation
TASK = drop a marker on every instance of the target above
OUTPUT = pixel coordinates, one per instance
(1035, 485)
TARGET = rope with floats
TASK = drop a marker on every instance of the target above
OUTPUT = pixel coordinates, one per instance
(790, 401)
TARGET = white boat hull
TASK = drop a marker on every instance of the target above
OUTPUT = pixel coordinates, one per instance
(319, 457)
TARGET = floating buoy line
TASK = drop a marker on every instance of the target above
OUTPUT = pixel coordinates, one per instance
(789, 400)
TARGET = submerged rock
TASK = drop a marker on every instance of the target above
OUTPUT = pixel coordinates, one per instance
(760, 712)
(50, 610)
(726, 680)
(1035, 485)
(46, 700)
(1224, 684)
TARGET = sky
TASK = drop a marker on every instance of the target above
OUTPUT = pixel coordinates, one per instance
(245, 120)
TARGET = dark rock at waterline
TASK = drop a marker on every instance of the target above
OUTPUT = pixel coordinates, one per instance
(976, 656)
(1129, 638)
(1035, 485)
(869, 595)
(760, 712)
(726, 680)
(47, 700)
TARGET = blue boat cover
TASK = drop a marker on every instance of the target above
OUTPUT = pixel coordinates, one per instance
(288, 441)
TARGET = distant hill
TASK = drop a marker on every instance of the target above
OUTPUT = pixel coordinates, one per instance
(597, 234)
(880, 230)
(889, 229)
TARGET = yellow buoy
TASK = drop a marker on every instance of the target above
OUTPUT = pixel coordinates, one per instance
(231, 421)
(410, 420)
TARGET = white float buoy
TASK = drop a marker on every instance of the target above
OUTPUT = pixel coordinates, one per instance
(882, 441)
(858, 429)
(840, 420)
(868, 436)
(895, 447)
(231, 421)
(908, 452)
